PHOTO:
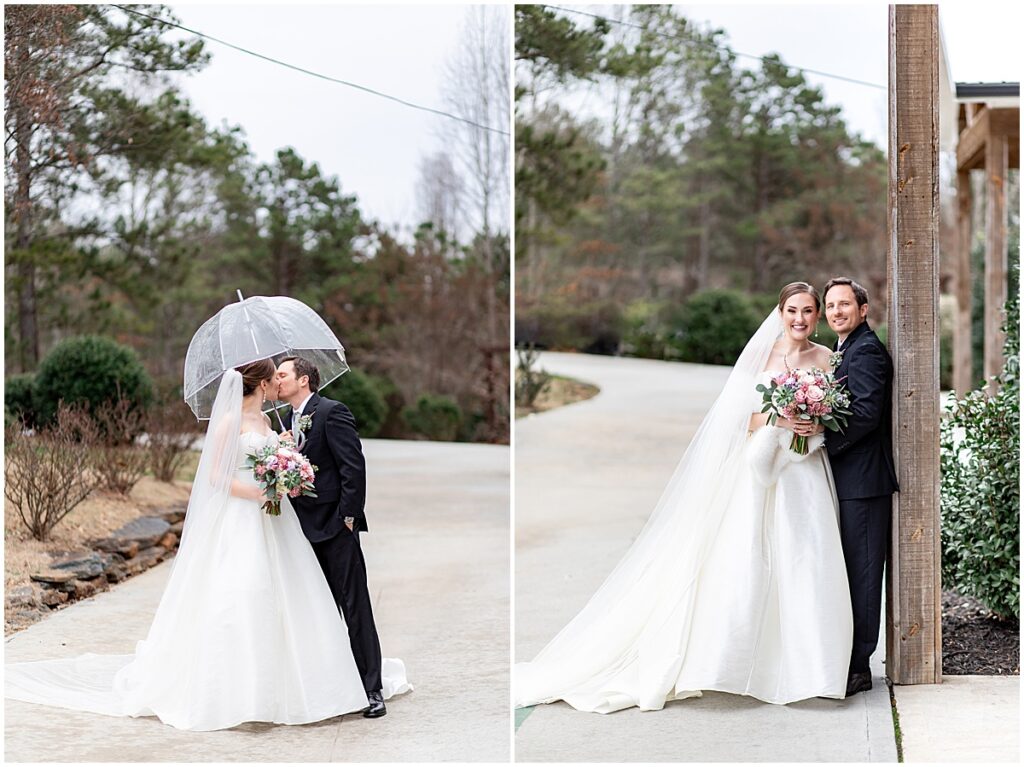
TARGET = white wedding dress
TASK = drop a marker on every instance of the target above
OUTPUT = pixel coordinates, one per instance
(737, 583)
(246, 630)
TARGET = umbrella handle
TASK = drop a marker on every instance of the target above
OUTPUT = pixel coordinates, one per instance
(278, 414)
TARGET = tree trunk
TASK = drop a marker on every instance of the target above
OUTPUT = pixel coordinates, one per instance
(28, 327)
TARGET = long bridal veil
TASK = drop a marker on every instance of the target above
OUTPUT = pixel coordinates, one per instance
(159, 670)
(626, 623)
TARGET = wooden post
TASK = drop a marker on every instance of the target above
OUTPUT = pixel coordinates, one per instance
(914, 637)
(962, 356)
(996, 266)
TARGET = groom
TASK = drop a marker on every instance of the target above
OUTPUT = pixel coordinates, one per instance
(861, 459)
(333, 519)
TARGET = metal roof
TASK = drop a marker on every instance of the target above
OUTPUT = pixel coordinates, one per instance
(987, 90)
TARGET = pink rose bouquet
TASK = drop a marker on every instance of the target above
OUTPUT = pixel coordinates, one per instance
(812, 395)
(281, 471)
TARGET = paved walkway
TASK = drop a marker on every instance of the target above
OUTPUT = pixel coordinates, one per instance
(587, 476)
(438, 562)
(964, 719)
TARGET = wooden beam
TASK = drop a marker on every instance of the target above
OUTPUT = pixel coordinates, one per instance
(914, 638)
(962, 355)
(996, 161)
(970, 148)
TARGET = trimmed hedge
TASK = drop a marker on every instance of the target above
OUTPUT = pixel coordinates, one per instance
(19, 399)
(363, 396)
(435, 417)
(91, 371)
(712, 327)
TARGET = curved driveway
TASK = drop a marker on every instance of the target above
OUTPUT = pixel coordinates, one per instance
(586, 477)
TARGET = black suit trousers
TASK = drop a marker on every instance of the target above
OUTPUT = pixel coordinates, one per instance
(341, 559)
(864, 527)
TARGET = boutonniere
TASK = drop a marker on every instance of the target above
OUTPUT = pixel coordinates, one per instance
(835, 359)
(303, 423)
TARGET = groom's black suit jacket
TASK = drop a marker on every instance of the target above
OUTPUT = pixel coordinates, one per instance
(861, 455)
(332, 445)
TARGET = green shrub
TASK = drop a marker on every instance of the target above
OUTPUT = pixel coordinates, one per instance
(362, 394)
(980, 485)
(762, 303)
(594, 327)
(712, 327)
(91, 371)
(435, 417)
(644, 331)
(19, 396)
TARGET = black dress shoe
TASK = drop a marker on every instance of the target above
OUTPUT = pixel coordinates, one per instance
(858, 682)
(376, 708)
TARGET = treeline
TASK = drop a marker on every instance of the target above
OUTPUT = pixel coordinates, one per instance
(698, 174)
(128, 216)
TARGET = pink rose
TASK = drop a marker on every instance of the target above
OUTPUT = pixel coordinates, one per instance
(815, 394)
(800, 397)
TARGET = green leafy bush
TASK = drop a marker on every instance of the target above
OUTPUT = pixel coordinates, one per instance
(594, 327)
(980, 486)
(435, 417)
(362, 394)
(644, 331)
(91, 371)
(19, 399)
(713, 326)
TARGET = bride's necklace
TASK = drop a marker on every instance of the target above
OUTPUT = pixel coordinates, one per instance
(785, 355)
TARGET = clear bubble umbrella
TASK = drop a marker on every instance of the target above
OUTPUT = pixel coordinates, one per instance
(252, 329)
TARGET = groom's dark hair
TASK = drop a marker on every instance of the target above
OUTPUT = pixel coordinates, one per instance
(858, 290)
(304, 367)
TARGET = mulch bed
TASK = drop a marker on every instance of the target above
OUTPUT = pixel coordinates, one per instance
(975, 641)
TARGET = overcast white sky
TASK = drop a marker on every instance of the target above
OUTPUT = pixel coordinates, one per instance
(375, 146)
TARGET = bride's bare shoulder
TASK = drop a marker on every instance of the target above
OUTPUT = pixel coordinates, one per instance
(821, 355)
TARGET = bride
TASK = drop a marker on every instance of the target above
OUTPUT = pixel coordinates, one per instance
(247, 629)
(737, 581)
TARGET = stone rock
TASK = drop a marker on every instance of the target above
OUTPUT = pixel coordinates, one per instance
(177, 527)
(174, 515)
(85, 589)
(53, 577)
(52, 598)
(145, 530)
(149, 557)
(126, 548)
(117, 574)
(23, 596)
(84, 567)
(169, 541)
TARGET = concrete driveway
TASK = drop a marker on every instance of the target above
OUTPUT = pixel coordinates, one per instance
(587, 476)
(438, 561)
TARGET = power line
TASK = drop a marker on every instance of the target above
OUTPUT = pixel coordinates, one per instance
(347, 83)
(807, 70)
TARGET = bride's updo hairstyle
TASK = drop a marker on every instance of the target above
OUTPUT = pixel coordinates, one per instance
(254, 373)
(795, 289)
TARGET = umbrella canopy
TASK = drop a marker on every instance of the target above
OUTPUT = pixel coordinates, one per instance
(253, 329)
